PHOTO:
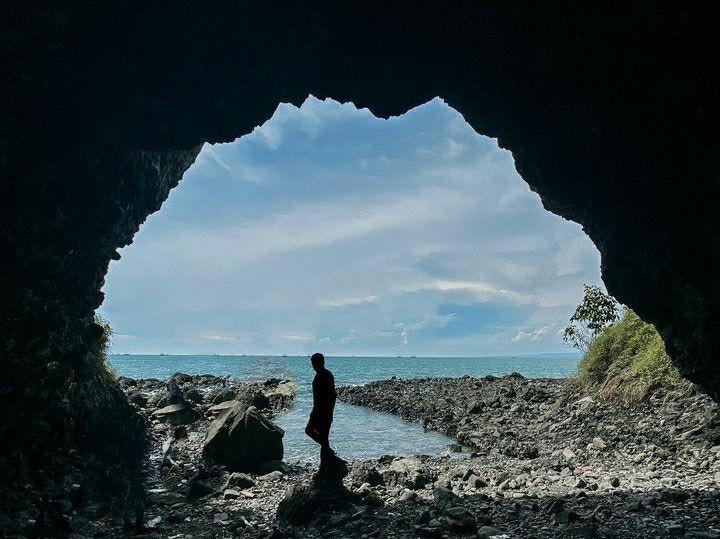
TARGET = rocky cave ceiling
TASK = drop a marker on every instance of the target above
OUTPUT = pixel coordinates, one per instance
(610, 111)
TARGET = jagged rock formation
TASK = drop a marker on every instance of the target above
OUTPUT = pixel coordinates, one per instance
(242, 439)
(610, 111)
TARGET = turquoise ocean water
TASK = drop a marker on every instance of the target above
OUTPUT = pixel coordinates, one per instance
(357, 432)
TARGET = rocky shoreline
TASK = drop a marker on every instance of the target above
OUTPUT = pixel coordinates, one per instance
(550, 460)
(541, 459)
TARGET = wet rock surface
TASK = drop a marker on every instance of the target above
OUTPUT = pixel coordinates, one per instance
(541, 459)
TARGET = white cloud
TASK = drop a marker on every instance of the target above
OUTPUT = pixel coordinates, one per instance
(532, 335)
(403, 337)
(347, 302)
(412, 235)
(221, 338)
(302, 337)
(474, 290)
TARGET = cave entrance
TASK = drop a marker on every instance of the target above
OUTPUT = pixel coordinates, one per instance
(328, 228)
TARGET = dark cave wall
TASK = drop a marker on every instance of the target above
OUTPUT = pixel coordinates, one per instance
(65, 420)
(610, 112)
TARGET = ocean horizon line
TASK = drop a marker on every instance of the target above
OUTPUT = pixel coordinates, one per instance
(355, 356)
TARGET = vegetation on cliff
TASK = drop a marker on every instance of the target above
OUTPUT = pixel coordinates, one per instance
(628, 360)
(625, 357)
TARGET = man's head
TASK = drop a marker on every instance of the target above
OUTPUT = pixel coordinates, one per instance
(318, 361)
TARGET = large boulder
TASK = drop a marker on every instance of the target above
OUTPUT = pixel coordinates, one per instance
(243, 439)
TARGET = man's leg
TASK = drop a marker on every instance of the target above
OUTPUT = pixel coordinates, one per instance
(324, 436)
(312, 431)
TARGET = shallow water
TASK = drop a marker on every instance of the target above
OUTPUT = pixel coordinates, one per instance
(357, 432)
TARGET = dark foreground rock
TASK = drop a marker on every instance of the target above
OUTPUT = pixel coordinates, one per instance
(313, 500)
(242, 439)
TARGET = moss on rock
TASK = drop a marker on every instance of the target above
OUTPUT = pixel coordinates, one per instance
(628, 360)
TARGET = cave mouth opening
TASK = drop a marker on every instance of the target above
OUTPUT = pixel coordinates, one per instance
(329, 228)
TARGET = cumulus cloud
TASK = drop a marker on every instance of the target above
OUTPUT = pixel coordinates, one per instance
(412, 235)
(347, 302)
(302, 337)
(532, 335)
(221, 338)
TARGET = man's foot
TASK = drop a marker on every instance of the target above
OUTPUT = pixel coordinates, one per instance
(332, 466)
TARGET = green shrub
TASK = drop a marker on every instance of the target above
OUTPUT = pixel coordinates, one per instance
(103, 345)
(628, 359)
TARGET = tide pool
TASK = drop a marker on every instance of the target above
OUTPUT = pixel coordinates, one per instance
(357, 433)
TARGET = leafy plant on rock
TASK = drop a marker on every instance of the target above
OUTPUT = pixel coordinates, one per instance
(596, 312)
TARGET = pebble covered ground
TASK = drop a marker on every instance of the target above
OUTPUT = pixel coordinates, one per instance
(540, 458)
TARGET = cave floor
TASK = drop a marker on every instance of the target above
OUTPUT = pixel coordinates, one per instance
(596, 469)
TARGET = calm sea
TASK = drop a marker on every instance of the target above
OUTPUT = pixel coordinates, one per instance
(357, 433)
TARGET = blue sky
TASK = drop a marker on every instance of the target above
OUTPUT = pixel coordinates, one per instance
(329, 229)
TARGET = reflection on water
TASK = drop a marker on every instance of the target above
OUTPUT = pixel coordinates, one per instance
(357, 432)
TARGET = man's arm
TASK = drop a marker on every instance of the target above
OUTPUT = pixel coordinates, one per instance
(316, 391)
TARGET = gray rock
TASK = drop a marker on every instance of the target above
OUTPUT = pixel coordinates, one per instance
(445, 499)
(365, 473)
(586, 529)
(271, 466)
(176, 414)
(597, 444)
(406, 472)
(426, 531)
(217, 409)
(566, 517)
(222, 395)
(460, 519)
(702, 534)
(243, 439)
(197, 489)
(239, 480)
(139, 400)
(486, 532)
(231, 494)
(193, 395)
(476, 482)
(443, 483)
(555, 506)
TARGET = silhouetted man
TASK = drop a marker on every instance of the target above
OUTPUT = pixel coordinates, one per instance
(321, 417)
